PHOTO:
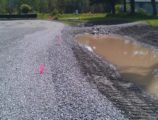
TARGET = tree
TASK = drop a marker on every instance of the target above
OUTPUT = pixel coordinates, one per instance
(112, 4)
(10, 6)
(124, 6)
(153, 2)
(132, 4)
(3, 4)
(25, 8)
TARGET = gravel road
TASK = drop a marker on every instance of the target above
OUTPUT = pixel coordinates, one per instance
(61, 91)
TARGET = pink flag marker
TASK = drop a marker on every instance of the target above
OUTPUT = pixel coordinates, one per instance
(41, 68)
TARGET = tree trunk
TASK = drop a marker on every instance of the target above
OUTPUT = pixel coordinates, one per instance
(113, 7)
(40, 6)
(124, 6)
(50, 5)
(153, 2)
(9, 7)
(132, 3)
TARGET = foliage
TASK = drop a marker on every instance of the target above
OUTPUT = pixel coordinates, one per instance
(142, 12)
(49, 6)
(25, 8)
(118, 8)
(54, 7)
(153, 22)
(43, 15)
(110, 4)
(55, 12)
(85, 17)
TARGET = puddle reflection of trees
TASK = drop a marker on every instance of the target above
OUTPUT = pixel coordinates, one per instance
(147, 79)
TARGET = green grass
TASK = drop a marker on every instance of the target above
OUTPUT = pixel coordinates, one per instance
(153, 22)
(44, 16)
(86, 17)
(101, 18)
(83, 16)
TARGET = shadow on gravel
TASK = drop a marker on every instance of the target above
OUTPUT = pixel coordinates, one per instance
(107, 22)
(12, 19)
(143, 33)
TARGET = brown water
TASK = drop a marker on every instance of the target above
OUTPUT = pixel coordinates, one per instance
(135, 63)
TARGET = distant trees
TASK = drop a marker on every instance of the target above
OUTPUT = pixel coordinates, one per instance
(132, 4)
(3, 4)
(69, 6)
(111, 3)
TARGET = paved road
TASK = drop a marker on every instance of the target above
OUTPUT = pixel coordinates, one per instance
(60, 91)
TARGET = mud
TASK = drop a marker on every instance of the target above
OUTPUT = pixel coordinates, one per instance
(130, 98)
(135, 62)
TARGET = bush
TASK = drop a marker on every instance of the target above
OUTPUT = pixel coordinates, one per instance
(56, 17)
(55, 12)
(142, 12)
(25, 8)
(118, 8)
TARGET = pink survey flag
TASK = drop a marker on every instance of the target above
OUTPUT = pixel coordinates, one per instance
(41, 68)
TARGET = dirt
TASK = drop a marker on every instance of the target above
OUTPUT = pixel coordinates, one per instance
(127, 96)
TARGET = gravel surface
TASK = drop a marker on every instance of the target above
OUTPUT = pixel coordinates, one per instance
(62, 91)
(74, 83)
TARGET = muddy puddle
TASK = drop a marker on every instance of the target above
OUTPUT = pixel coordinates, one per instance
(135, 62)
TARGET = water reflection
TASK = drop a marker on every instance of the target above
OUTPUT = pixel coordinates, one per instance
(135, 63)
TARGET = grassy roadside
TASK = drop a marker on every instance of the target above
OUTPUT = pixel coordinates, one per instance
(82, 17)
(104, 18)
(100, 18)
(42, 16)
(153, 22)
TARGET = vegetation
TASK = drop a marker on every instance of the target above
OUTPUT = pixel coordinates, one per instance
(68, 6)
(89, 10)
(106, 18)
(153, 22)
(82, 18)
(24, 8)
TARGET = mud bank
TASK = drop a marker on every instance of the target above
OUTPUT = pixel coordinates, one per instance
(129, 98)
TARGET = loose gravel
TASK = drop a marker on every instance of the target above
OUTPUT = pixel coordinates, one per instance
(62, 92)
(76, 83)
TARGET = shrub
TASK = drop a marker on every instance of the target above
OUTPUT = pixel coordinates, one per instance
(55, 12)
(142, 12)
(25, 8)
(118, 8)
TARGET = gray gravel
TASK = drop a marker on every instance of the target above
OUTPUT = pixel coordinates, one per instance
(62, 92)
